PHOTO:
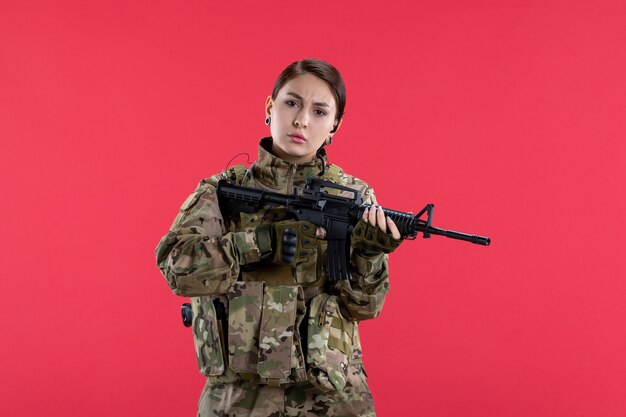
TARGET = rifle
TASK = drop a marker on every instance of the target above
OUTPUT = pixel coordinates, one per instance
(319, 204)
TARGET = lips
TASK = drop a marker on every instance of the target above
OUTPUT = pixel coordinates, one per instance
(297, 138)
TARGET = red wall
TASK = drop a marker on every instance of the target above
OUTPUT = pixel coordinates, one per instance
(510, 116)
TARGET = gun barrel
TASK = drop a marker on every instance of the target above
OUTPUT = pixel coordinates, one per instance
(409, 225)
(477, 239)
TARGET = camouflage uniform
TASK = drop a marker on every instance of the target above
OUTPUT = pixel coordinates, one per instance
(289, 343)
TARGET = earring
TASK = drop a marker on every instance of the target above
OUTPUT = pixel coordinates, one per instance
(329, 140)
(268, 120)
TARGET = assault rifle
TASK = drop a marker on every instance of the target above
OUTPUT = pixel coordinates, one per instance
(319, 202)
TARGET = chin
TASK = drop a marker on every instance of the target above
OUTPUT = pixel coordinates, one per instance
(295, 149)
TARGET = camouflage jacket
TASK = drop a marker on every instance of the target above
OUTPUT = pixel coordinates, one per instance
(206, 252)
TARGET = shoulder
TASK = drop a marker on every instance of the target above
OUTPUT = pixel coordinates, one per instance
(208, 185)
(234, 174)
(337, 175)
(206, 189)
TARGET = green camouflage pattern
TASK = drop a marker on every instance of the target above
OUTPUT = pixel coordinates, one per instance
(203, 252)
(206, 333)
(197, 257)
(371, 240)
(277, 332)
(205, 255)
(341, 334)
(245, 399)
(298, 367)
(274, 174)
(329, 344)
(244, 319)
(364, 295)
(267, 349)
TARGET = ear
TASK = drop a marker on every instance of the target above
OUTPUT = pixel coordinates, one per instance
(269, 103)
(337, 126)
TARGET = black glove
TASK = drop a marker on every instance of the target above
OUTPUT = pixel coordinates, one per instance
(290, 241)
(370, 240)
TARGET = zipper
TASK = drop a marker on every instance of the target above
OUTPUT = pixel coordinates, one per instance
(322, 318)
(290, 189)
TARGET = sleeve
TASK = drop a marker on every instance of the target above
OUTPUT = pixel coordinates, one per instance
(364, 294)
(197, 257)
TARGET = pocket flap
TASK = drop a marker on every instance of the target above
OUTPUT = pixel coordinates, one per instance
(340, 335)
(329, 344)
(277, 330)
(207, 337)
(244, 320)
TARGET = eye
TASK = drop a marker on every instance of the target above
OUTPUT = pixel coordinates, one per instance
(291, 103)
(320, 112)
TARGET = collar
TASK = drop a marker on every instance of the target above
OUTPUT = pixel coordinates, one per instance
(282, 175)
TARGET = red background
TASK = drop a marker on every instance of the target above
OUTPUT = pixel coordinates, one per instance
(508, 115)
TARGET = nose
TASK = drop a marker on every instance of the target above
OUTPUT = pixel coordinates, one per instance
(301, 120)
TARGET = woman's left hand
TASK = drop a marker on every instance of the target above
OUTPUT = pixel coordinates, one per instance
(376, 217)
(375, 233)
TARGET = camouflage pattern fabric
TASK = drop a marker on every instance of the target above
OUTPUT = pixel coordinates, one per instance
(371, 240)
(244, 319)
(245, 399)
(208, 256)
(329, 344)
(203, 253)
(209, 349)
(277, 332)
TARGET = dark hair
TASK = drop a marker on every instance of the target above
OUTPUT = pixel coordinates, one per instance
(322, 70)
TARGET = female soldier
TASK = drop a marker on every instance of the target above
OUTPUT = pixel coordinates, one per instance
(272, 335)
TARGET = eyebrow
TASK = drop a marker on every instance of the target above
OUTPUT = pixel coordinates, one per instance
(289, 93)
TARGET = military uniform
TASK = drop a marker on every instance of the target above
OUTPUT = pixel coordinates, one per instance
(273, 340)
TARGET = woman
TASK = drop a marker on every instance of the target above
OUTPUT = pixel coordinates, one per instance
(272, 335)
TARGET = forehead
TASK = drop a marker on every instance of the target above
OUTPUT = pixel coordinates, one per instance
(309, 87)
